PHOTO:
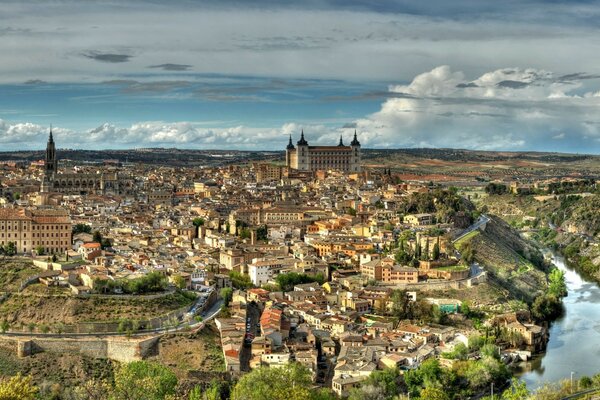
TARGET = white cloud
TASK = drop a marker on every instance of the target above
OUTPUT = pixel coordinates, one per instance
(510, 108)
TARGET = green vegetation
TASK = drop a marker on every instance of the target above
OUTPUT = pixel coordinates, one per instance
(150, 283)
(8, 249)
(465, 378)
(444, 204)
(384, 385)
(143, 380)
(240, 281)
(17, 388)
(421, 310)
(81, 228)
(14, 271)
(290, 382)
(287, 281)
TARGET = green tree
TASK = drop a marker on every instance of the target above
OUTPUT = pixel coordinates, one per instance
(179, 282)
(97, 237)
(143, 380)
(240, 281)
(17, 387)
(367, 392)
(388, 380)
(226, 294)
(556, 283)
(4, 326)
(516, 391)
(436, 250)
(431, 393)
(81, 228)
(10, 249)
(290, 382)
(198, 222)
(40, 250)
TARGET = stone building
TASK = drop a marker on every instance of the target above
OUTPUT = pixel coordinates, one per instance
(30, 229)
(103, 182)
(303, 157)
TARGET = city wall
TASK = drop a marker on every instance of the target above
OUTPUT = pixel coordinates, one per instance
(118, 348)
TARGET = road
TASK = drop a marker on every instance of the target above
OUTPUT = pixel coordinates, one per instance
(252, 320)
(482, 220)
(206, 315)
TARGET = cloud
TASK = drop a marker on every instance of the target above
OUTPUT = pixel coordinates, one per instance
(504, 109)
(107, 57)
(172, 67)
(34, 82)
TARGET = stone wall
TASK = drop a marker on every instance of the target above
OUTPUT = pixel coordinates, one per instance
(117, 348)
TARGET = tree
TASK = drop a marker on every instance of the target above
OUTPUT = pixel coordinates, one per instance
(556, 283)
(227, 294)
(10, 249)
(212, 392)
(97, 237)
(179, 282)
(436, 250)
(367, 392)
(198, 222)
(40, 250)
(240, 281)
(516, 391)
(388, 380)
(4, 326)
(143, 380)
(430, 393)
(81, 228)
(17, 387)
(290, 382)
(262, 233)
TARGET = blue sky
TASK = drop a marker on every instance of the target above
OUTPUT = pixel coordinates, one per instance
(512, 75)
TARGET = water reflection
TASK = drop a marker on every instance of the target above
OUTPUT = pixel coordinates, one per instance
(574, 338)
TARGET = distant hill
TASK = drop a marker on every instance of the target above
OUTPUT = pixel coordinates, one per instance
(174, 156)
(149, 156)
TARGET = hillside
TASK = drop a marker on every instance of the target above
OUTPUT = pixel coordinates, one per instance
(514, 265)
(568, 223)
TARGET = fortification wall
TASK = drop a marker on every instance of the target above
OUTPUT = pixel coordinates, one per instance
(118, 348)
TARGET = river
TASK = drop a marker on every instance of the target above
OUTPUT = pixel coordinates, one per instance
(574, 344)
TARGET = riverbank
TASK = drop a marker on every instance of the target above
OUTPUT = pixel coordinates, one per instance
(574, 344)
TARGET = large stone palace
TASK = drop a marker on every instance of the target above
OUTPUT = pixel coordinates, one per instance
(80, 183)
(303, 157)
(30, 229)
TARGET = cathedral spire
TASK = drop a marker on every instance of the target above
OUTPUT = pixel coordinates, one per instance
(50, 139)
(341, 141)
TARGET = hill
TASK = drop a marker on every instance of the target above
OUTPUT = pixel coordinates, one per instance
(514, 265)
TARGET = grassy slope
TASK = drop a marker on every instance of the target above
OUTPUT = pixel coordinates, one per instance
(48, 309)
(506, 258)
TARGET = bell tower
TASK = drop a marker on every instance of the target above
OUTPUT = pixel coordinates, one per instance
(51, 165)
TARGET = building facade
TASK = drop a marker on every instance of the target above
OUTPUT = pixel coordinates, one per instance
(303, 157)
(31, 229)
(80, 183)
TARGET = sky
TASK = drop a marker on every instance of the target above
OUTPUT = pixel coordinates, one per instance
(224, 74)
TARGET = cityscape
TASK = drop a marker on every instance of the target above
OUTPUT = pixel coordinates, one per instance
(219, 219)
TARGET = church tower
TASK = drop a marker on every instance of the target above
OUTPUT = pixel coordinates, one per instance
(356, 157)
(51, 165)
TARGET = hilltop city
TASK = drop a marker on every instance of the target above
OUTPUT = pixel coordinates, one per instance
(339, 271)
